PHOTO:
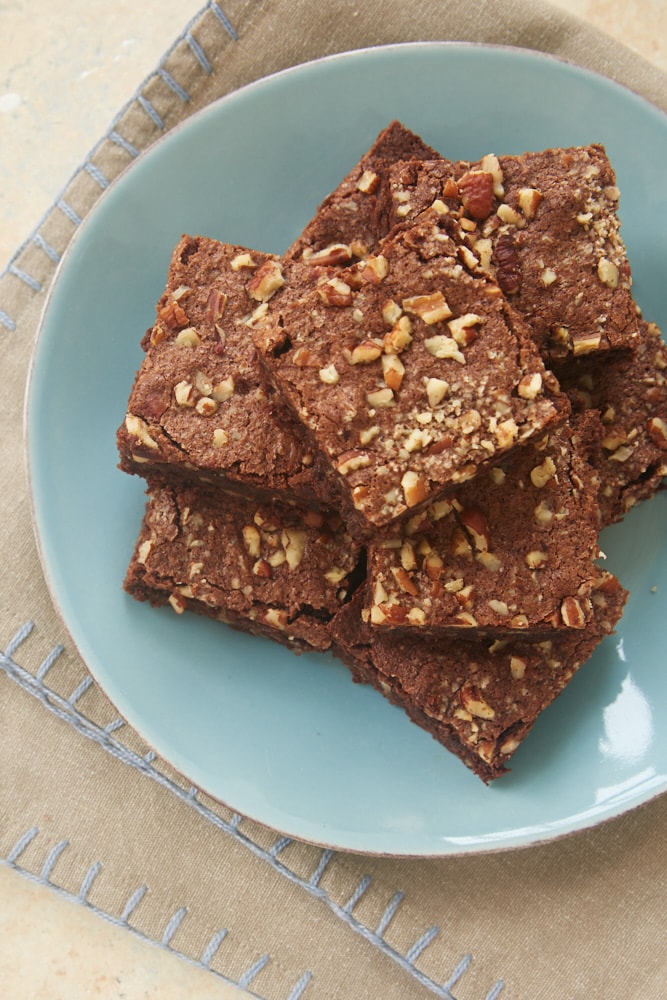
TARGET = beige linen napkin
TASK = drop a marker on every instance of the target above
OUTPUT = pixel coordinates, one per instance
(86, 808)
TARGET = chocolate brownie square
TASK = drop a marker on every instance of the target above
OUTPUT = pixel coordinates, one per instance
(274, 570)
(347, 220)
(629, 390)
(478, 698)
(546, 225)
(513, 552)
(409, 373)
(201, 405)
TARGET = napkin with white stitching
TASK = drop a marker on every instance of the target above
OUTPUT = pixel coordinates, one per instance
(89, 810)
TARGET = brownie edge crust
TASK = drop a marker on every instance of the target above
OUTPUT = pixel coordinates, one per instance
(478, 698)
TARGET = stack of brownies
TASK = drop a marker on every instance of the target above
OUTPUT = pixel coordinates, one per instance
(400, 440)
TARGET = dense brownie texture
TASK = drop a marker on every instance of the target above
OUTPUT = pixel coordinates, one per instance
(409, 373)
(629, 390)
(512, 552)
(348, 217)
(201, 405)
(478, 698)
(546, 225)
(270, 569)
(394, 367)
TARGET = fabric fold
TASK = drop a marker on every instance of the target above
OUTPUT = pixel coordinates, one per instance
(86, 807)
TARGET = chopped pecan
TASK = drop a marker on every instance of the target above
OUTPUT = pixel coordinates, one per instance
(173, 315)
(508, 265)
(266, 281)
(476, 189)
(335, 292)
(333, 255)
(572, 613)
(215, 305)
(657, 431)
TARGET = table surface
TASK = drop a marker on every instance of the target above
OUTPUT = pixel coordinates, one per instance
(66, 69)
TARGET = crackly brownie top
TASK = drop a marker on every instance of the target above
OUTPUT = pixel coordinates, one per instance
(201, 399)
(546, 225)
(270, 562)
(513, 551)
(629, 390)
(348, 216)
(409, 371)
(485, 693)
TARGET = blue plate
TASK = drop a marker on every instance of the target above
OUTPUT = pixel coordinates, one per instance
(291, 741)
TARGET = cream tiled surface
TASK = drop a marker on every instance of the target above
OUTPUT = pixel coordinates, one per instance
(52, 949)
(66, 68)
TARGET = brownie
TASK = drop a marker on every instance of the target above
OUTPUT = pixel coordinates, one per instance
(409, 373)
(201, 405)
(361, 446)
(513, 552)
(273, 570)
(478, 698)
(546, 225)
(347, 221)
(629, 390)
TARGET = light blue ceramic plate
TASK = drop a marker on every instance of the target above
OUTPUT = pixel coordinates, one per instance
(291, 741)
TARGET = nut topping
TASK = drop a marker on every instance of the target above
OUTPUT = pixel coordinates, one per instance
(414, 488)
(266, 281)
(242, 260)
(335, 292)
(188, 337)
(139, 428)
(368, 182)
(517, 667)
(220, 437)
(172, 315)
(405, 581)
(657, 431)
(436, 390)
(431, 308)
(536, 559)
(491, 163)
(463, 328)
(223, 390)
(364, 353)
(183, 393)
(334, 255)
(586, 343)
(529, 201)
(541, 474)
(206, 406)
(293, 541)
(380, 399)
(530, 386)
(375, 269)
(508, 272)
(510, 217)
(329, 375)
(399, 337)
(252, 540)
(608, 272)
(215, 306)
(572, 613)
(473, 703)
(476, 189)
(353, 460)
(443, 347)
